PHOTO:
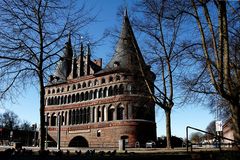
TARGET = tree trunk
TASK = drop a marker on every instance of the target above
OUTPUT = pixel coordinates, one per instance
(168, 127)
(42, 117)
(235, 116)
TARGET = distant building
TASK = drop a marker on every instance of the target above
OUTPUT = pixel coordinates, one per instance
(26, 137)
(99, 106)
(228, 131)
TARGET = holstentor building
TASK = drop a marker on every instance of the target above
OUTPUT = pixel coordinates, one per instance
(99, 106)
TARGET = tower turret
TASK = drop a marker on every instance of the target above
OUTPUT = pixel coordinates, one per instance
(127, 53)
(88, 55)
(64, 66)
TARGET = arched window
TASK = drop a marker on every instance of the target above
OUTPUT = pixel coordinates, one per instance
(100, 93)
(120, 110)
(78, 85)
(83, 85)
(103, 113)
(62, 90)
(77, 97)
(68, 88)
(73, 98)
(82, 97)
(89, 83)
(62, 100)
(77, 116)
(117, 77)
(49, 101)
(105, 92)
(53, 91)
(84, 115)
(80, 116)
(110, 79)
(110, 91)
(52, 101)
(121, 89)
(58, 90)
(103, 80)
(70, 117)
(88, 115)
(111, 110)
(58, 101)
(55, 100)
(73, 117)
(49, 91)
(90, 96)
(53, 119)
(86, 96)
(93, 114)
(115, 90)
(96, 82)
(65, 118)
(74, 87)
(65, 99)
(95, 94)
(69, 99)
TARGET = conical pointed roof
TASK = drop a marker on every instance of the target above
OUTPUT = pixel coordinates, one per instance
(64, 66)
(127, 53)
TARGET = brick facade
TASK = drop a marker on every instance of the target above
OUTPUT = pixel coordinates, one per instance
(99, 106)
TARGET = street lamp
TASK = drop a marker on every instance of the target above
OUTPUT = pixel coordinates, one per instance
(46, 125)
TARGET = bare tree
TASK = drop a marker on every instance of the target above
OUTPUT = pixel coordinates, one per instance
(211, 128)
(161, 23)
(196, 137)
(217, 60)
(31, 38)
(9, 120)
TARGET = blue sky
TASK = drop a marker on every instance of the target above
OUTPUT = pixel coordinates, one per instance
(27, 107)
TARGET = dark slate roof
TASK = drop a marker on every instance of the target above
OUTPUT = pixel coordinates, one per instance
(63, 68)
(127, 54)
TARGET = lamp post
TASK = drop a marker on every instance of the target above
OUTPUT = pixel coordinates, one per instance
(46, 124)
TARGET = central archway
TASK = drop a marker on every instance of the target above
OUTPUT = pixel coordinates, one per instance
(78, 141)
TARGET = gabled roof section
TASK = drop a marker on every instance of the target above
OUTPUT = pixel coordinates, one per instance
(127, 53)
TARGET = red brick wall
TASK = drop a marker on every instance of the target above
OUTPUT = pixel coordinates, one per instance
(111, 133)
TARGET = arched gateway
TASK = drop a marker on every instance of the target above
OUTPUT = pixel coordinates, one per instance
(78, 141)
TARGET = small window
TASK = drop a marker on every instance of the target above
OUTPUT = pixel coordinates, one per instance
(53, 91)
(98, 133)
(89, 84)
(83, 85)
(49, 91)
(73, 87)
(62, 89)
(96, 82)
(58, 90)
(116, 64)
(68, 88)
(103, 80)
(110, 79)
(79, 85)
(117, 77)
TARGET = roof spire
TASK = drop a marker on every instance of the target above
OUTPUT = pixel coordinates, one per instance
(125, 12)
(88, 49)
(69, 37)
